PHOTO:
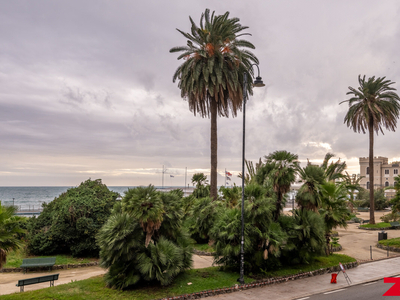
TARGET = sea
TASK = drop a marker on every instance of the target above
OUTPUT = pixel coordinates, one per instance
(32, 197)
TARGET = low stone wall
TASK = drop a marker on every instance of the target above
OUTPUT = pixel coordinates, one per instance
(202, 253)
(55, 267)
(259, 283)
(391, 249)
(336, 249)
(377, 229)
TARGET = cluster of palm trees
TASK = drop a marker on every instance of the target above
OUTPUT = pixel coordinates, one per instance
(273, 238)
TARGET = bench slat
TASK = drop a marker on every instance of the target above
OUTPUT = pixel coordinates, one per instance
(35, 280)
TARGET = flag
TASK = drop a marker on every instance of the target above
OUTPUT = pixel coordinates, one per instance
(228, 178)
(171, 175)
(227, 173)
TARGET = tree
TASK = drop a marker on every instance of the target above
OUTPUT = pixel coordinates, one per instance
(309, 194)
(334, 170)
(69, 224)
(199, 179)
(396, 200)
(373, 105)
(211, 78)
(282, 166)
(144, 240)
(9, 230)
(334, 210)
(251, 171)
(352, 184)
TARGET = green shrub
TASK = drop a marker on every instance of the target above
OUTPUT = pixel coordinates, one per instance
(144, 240)
(69, 224)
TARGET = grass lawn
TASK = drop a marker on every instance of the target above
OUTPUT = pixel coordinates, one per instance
(14, 259)
(204, 247)
(391, 242)
(201, 279)
(377, 225)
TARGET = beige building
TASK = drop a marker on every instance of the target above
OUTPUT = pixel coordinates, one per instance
(384, 176)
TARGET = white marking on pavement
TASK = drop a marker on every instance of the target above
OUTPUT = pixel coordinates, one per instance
(334, 291)
(303, 298)
(370, 283)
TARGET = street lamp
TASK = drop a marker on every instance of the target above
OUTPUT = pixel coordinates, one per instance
(257, 83)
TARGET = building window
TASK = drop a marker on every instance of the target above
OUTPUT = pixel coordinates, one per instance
(387, 183)
(367, 185)
(395, 171)
(386, 172)
(367, 170)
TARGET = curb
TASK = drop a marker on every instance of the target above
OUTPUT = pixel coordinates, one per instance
(202, 253)
(376, 229)
(259, 283)
(391, 249)
(55, 267)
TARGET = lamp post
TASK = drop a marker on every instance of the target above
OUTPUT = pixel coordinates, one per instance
(257, 83)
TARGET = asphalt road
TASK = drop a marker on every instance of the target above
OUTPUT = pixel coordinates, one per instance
(367, 291)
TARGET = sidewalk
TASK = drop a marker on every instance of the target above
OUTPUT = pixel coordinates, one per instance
(318, 284)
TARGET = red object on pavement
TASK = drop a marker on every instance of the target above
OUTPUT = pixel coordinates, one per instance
(333, 279)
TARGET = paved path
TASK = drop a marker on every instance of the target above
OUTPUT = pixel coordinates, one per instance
(356, 242)
(302, 288)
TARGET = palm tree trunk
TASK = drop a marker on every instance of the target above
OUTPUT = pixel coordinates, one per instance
(214, 148)
(371, 172)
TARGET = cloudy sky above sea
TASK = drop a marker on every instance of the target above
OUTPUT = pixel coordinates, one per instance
(86, 87)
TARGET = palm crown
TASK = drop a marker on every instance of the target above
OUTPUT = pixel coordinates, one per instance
(374, 104)
(214, 64)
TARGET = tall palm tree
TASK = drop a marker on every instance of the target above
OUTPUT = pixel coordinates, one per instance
(9, 229)
(282, 167)
(373, 105)
(211, 77)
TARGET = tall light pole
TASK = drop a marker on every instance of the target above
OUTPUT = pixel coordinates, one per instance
(257, 83)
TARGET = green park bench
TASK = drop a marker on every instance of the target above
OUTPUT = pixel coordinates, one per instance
(362, 209)
(21, 283)
(38, 262)
(395, 224)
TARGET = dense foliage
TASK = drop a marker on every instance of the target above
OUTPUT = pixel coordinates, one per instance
(10, 231)
(144, 240)
(69, 224)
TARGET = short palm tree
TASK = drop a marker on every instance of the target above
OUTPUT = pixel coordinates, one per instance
(309, 195)
(9, 230)
(334, 170)
(211, 77)
(334, 208)
(282, 167)
(352, 184)
(373, 105)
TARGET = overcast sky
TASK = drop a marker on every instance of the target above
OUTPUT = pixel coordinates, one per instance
(86, 87)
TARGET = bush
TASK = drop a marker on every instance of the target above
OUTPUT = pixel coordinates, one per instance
(69, 224)
(391, 217)
(144, 239)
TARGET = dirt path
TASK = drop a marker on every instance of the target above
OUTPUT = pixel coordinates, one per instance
(9, 280)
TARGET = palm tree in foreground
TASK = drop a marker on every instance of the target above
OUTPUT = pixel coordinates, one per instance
(373, 105)
(9, 229)
(211, 77)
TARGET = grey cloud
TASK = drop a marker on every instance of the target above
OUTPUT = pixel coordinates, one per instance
(90, 84)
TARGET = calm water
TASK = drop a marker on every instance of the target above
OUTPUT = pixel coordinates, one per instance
(33, 197)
